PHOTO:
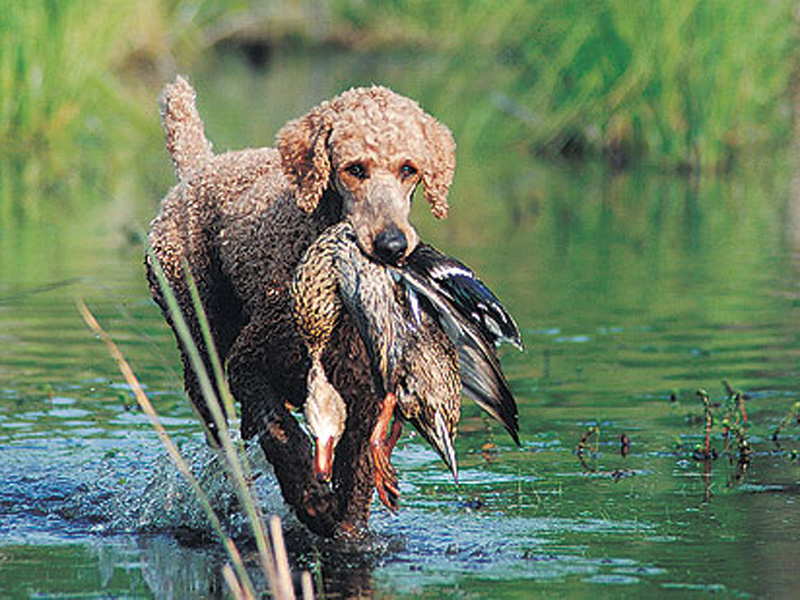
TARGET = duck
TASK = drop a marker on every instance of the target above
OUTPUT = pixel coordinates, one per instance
(414, 364)
(430, 328)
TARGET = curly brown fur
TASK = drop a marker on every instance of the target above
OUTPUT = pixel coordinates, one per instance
(240, 221)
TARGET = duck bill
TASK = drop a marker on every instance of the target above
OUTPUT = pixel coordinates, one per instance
(323, 461)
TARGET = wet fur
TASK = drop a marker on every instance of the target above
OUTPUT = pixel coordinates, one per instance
(240, 221)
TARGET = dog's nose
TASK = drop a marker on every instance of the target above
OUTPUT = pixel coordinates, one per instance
(390, 245)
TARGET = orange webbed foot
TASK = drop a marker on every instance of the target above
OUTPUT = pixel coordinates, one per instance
(381, 450)
(385, 479)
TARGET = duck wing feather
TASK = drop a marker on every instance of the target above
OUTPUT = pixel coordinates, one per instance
(481, 376)
(465, 292)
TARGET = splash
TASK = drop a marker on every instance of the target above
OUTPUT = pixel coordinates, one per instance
(135, 489)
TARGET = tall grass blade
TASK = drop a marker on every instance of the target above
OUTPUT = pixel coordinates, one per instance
(307, 583)
(211, 397)
(172, 449)
(233, 584)
(272, 555)
(281, 558)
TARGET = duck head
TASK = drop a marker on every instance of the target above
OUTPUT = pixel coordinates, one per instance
(325, 413)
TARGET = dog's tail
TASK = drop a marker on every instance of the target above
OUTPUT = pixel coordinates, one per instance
(186, 138)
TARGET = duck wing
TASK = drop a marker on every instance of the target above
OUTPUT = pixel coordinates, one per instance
(466, 294)
(481, 376)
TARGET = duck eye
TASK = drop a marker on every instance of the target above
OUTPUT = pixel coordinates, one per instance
(407, 171)
(357, 170)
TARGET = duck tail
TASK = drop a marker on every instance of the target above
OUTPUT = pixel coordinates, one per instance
(446, 448)
(441, 439)
(183, 128)
(482, 377)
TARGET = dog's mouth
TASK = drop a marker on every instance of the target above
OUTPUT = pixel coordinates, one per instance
(390, 246)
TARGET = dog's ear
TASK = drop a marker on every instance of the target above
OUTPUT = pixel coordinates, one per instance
(437, 174)
(302, 144)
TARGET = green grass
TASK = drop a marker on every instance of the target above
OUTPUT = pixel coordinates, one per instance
(54, 68)
(688, 85)
(71, 69)
(694, 85)
(79, 82)
(63, 63)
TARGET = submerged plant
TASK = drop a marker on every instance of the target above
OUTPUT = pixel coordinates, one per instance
(733, 423)
(585, 447)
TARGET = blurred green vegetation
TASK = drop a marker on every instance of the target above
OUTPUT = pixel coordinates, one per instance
(683, 85)
(78, 82)
(693, 85)
(70, 68)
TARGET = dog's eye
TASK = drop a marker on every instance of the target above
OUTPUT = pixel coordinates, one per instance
(407, 171)
(357, 170)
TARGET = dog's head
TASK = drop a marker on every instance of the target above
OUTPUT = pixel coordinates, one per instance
(373, 147)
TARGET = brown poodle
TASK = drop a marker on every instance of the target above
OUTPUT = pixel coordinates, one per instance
(240, 222)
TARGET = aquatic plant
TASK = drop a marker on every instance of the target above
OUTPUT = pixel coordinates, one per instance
(585, 446)
(733, 424)
(792, 416)
(272, 554)
(706, 452)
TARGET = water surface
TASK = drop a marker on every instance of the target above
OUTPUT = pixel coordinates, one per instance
(632, 290)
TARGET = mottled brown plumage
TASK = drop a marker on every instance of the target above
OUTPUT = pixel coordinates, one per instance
(414, 364)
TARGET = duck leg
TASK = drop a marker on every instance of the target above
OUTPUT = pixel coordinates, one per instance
(385, 475)
(394, 435)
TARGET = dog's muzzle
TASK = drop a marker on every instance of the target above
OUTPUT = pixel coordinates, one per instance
(390, 245)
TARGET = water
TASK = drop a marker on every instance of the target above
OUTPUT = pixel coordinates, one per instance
(632, 292)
